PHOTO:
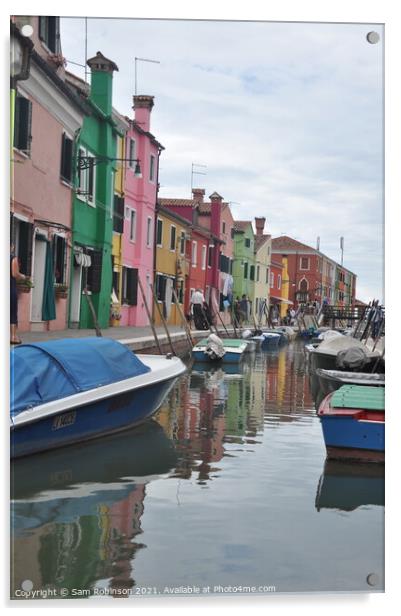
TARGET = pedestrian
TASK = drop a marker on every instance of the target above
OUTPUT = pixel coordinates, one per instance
(15, 275)
(243, 306)
(292, 316)
(237, 311)
(197, 304)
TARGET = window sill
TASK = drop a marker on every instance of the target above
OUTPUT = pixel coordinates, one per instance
(23, 153)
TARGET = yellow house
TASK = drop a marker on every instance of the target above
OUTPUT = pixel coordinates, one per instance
(262, 268)
(172, 269)
(118, 220)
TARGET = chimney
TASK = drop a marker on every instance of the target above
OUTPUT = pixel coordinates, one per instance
(260, 225)
(102, 82)
(215, 213)
(198, 194)
(143, 105)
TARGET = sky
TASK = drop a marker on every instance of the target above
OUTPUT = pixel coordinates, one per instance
(286, 117)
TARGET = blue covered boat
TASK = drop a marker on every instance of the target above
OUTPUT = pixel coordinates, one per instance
(352, 420)
(71, 390)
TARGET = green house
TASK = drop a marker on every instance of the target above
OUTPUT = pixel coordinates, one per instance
(92, 212)
(244, 267)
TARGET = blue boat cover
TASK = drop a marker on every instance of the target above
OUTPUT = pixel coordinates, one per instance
(46, 371)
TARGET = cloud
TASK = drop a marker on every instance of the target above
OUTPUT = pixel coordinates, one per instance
(288, 118)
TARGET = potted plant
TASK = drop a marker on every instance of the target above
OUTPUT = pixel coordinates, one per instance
(24, 286)
(61, 290)
(115, 316)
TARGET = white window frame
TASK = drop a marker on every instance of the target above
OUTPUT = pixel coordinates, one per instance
(132, 212)
(271, 280)
(194, 253)
(149, 231)
(85, 173)
(304, 269)
(204, 257)
(152, 168)
(279, 281)
(132, 162)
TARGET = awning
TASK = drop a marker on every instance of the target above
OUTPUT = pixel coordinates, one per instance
(281, 300)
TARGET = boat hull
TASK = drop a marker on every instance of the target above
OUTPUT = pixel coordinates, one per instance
(230, 357)
(92, 420)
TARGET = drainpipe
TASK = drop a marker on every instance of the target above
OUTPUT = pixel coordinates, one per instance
(155, 229)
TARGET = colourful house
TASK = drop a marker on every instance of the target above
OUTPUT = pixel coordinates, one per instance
(171, 266)
(48, 114)
(244, 261)
(142, 152)
(95, 154)
(262, 269)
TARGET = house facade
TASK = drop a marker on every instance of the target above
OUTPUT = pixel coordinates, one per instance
(48, 115)
(171, 265)
(244, 266)
(142, 152)
(313, 277)
(262, 271)
(95, 154)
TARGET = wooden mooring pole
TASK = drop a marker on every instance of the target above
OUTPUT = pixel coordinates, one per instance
(163, 320)
(93, 312)
(184, 321)
(149, 316)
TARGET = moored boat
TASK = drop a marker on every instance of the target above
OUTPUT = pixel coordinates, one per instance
(270, 340)
(344, 353)
(226, 350)
(352, 420)
(331, 380)
(71, 390)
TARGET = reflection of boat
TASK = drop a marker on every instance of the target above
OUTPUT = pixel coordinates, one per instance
(71, 390)
(352, 421)
(271, 340)
(225, 370)
(138, 453)
(346, 485)
(288, 331)
(283, 338)
(331, 380)
(233, 351)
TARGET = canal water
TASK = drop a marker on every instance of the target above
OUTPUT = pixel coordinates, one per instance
(225, 491)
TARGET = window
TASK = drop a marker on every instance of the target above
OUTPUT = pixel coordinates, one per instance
(130, 286)
(49, 32)
(159, 232)
(182, 243)
(210, 256)
(252, 272)
(247, 242)
(267, 275)
(304, 263)
(22, 235)
(59, 259)
(132, 153)
(278, 281)
(118, 214)
(224, 264)
(204, 252)
(194, 251)
(86, 176)
(152, 168)
(66, 158)
(245, 270)
(173, 232)
(272, 280)
(224, 227)
(180, 291)
(257, 273)
(94, 272)
(232, 233)
(149, 231)
(23, 124)
(132, 226)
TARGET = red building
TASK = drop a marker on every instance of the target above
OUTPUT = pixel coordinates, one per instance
(313, 277)
(276, 280)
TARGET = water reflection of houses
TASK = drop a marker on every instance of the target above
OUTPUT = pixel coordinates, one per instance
(80, 521)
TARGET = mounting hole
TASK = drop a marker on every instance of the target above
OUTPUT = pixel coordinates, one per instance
(373, 37)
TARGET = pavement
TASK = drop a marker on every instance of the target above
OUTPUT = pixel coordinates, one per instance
(136, 338)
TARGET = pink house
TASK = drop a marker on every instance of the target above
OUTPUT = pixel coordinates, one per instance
(47, 117)
(138, 244)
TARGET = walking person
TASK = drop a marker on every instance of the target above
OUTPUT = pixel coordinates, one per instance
(243, 306)
(197, 304)
(15, 275)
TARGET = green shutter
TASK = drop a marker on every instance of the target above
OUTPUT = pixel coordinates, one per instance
(132, 286)
(96, 273)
